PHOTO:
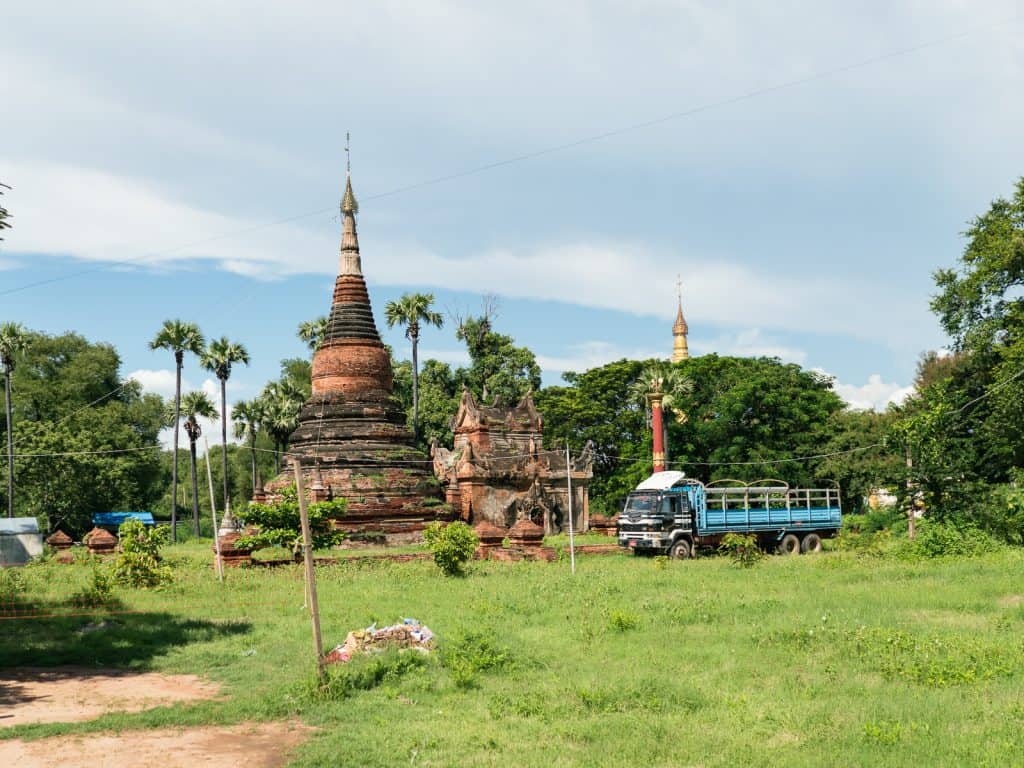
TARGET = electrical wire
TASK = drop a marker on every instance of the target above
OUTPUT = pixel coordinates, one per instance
(618, 131)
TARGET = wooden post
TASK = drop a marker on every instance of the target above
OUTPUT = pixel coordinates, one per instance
(910, 496)
(307, 552)
(213, 511)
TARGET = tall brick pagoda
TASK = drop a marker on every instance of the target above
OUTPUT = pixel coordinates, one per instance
(352, 439)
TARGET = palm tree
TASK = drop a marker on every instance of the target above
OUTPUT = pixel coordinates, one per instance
(179, 337)
(410, 310)
(280, 404)
(13, 343)
(248, 418)
(218, 359)
(666, 379)
(195, 405)
(312, 332)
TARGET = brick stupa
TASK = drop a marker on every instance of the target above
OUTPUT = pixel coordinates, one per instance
(352, 437)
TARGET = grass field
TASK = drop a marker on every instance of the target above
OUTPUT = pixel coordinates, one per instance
(813, 660)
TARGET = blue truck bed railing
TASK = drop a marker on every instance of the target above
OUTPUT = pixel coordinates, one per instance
(768, 507)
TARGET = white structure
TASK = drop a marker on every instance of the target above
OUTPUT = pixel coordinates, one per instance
(20, 540)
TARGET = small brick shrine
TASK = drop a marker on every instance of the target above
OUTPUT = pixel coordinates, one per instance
(498, 473)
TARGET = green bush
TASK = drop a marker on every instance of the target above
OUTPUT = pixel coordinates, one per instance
(466, 654)
(279, 523)
(453, 544)
(365, 673)
(1003, 513)
(138, 563)
(742, 549)
(935, 539)
(12, 586)
(100, 591)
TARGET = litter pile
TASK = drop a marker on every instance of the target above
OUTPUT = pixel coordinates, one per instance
(409, 634)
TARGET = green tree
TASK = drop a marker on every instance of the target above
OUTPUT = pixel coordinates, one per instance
(220, 356)
(13, 344)
(412, 311)
(857, 468)
(312, 332)
(247, 416)
(599, 405)
(280, 403)
(87, 440)
(196, 405)
(179, 337)
(497, 368)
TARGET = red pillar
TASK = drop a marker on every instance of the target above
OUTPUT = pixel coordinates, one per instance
(657, 426)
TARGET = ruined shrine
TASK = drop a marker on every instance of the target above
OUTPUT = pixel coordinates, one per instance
(498, 473)
(352, 439)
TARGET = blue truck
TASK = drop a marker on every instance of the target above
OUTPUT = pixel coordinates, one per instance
(671, 514)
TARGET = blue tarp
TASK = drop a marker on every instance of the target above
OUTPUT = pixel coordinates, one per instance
(116, 518)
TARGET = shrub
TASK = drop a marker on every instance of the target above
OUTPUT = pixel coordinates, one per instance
(466, 654)
(453, 544)
(1003, 513)
(742, 549)
(365, 673)
(935, 539)
(100, 591)
(138, 564)
(12, 586)
(623, 620)
(279, 523)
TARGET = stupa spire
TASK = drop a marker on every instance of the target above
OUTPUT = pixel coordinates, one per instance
(350, 262)
(680, 348)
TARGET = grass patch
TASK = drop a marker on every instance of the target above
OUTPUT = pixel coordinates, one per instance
(839, 658)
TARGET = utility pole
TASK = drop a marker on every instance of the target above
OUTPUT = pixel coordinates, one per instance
(568, 483)
(911, 512)
(213, 511)
(307, 556)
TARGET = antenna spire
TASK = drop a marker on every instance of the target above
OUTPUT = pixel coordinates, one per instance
(348, 156)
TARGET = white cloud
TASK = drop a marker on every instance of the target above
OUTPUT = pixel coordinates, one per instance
(874, 395)
(161, 382)
(750, 342)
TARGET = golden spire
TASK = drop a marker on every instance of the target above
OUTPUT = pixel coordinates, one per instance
(680, 349)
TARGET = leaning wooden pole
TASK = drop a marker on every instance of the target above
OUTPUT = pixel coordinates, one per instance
(307, 556)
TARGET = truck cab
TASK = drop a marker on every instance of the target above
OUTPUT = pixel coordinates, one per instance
(659, 515)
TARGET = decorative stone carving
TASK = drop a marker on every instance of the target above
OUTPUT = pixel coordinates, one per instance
(59, 540)
(498, 471)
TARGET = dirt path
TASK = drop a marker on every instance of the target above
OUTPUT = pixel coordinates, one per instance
(67, 694)
(263, 745)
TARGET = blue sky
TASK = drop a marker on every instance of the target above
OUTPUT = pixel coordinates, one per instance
(805, 221)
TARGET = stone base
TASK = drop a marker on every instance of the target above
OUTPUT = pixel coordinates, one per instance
(513, 554)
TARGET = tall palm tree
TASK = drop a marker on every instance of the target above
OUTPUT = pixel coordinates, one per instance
(280, 404)
(410, 310)
(195, 405)
(312, 332)
(248, 417)
(218, 359)
(13, 343)
(179, 337)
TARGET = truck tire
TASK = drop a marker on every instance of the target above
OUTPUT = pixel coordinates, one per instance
(680, 550)
(790, 545)
(810, 543)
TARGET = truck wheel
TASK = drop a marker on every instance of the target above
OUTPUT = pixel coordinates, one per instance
(811, 543)
(790, 545)
(680, 550)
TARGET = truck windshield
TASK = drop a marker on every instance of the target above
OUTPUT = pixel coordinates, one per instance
(644, 503)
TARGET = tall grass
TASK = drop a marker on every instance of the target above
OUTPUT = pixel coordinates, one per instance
(839, 659)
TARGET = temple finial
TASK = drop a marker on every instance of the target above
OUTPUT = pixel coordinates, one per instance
(680, 330)
(349, 204)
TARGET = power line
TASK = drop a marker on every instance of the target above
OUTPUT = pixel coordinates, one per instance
(708, 106)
